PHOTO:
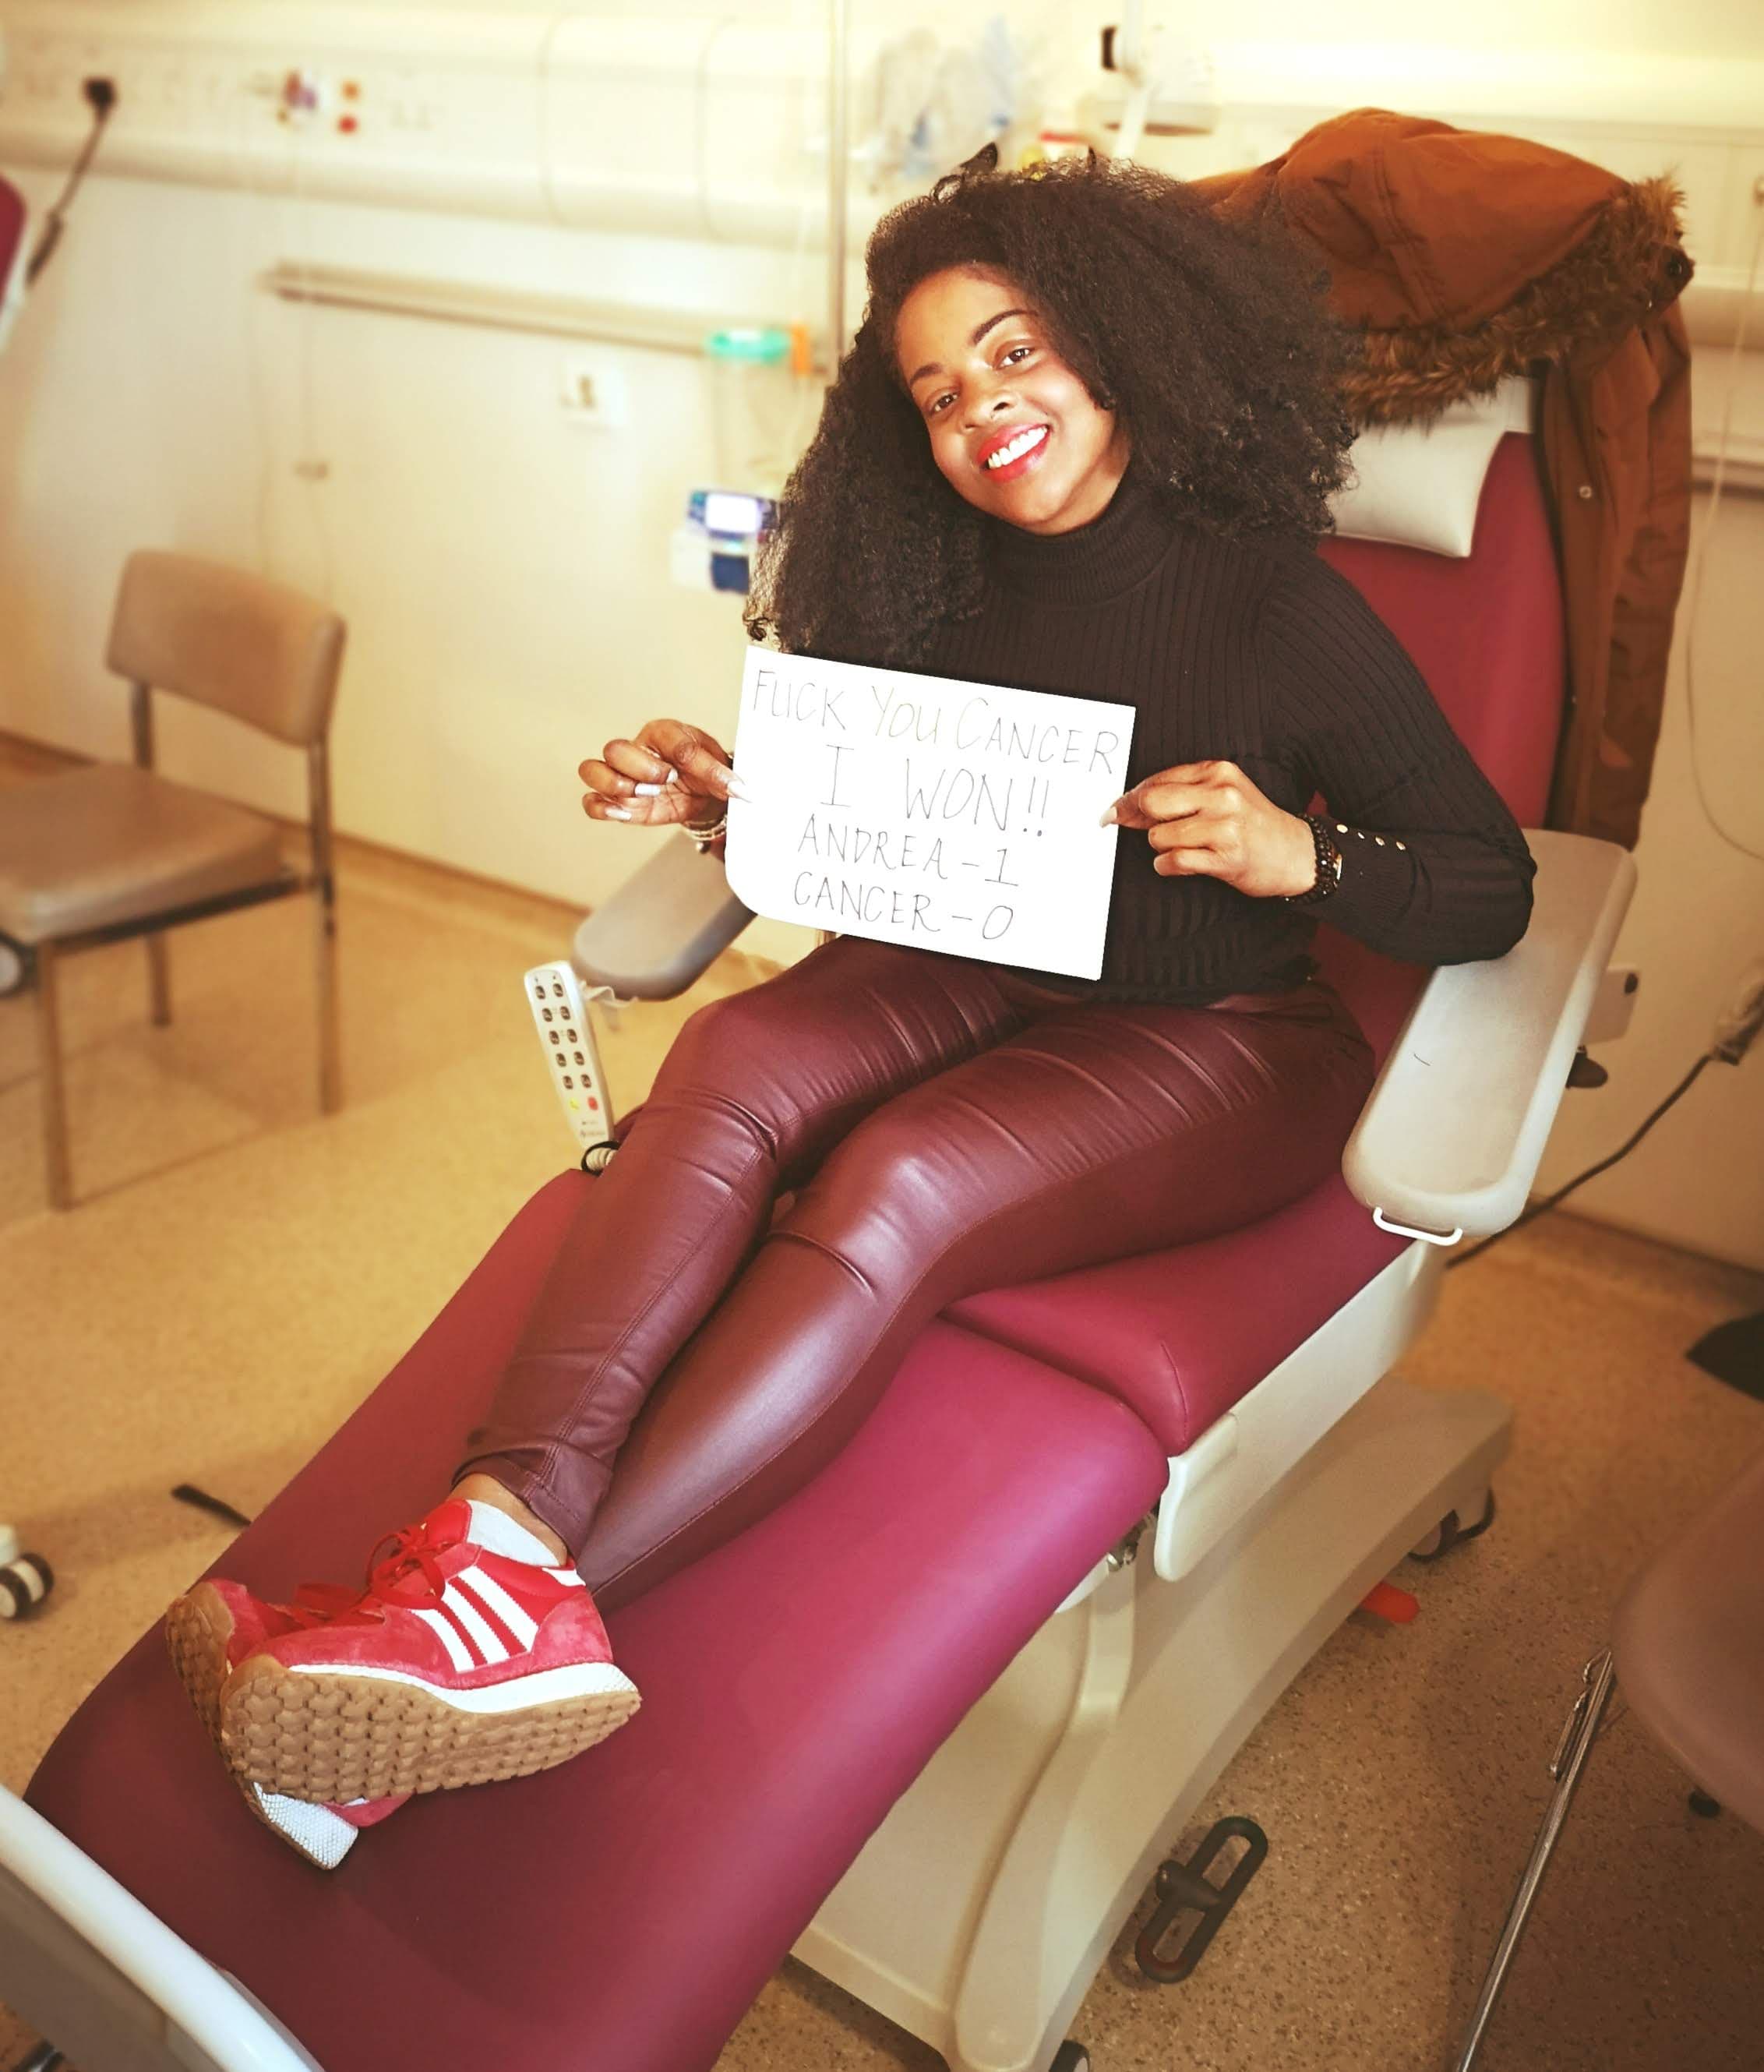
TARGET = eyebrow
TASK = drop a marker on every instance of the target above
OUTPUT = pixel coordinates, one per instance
(936, 366)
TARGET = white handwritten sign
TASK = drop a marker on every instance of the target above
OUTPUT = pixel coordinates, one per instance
(954, 816)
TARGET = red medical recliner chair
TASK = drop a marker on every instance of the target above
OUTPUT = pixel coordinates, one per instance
(970, 1679)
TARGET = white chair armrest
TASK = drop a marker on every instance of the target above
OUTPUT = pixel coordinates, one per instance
(82, 1958)
(663, 928)
(1451, 1138)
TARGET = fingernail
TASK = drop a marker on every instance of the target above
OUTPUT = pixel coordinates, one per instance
(615, 813)
(673, 776)
(648, 791)
(738, 790)
(1107, 820)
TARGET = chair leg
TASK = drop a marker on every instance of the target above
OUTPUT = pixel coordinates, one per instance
(54, 1099)
(330, 1028)
(159, 982)
(1598, 1682)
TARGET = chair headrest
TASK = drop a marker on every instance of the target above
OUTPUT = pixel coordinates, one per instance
(1419, 485)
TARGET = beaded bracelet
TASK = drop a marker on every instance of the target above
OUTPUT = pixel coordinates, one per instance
(1328, 865)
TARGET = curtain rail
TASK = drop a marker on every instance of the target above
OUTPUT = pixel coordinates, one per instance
(654, 330)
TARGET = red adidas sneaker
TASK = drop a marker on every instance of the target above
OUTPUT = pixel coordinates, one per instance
(456, 1665)
(209, 1631)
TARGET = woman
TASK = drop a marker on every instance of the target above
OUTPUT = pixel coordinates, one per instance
(1084, 443)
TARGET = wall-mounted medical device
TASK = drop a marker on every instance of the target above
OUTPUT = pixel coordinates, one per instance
(528, 112)
(713, 549)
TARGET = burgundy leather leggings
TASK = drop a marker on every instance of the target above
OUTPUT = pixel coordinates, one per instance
(951, 1128)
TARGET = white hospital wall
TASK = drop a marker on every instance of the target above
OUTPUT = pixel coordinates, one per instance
(1696, 924)
(505, 573)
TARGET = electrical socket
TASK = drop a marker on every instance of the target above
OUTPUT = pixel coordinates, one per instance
(592, 390)
(1738, 1023)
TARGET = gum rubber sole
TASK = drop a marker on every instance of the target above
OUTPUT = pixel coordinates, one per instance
(327, 1735)
(198, 1627)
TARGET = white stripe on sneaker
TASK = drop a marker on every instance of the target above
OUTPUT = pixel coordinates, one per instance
(457, 1654)
(489, 1645)
(520, 1624)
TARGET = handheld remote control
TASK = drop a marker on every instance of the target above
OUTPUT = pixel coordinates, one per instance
(560, 1013)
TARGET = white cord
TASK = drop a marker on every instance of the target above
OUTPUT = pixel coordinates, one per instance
(701, 122)
(807, 394)
(542, 77)
(242, 167)
(1716, 486)
(309, 427)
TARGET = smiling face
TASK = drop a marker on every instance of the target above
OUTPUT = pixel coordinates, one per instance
(1013, 428)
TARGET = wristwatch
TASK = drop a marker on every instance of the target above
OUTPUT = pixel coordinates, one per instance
(1329, 864)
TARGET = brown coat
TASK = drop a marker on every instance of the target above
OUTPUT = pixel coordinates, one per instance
(1463, 257)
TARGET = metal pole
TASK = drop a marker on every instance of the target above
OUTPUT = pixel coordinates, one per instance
(44, 2058)
(1576, 1743)
(838, 176)
(57, 1164)
(324, 888)
(158, 963)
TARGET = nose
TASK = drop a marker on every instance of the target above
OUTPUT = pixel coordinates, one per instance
(990, 404)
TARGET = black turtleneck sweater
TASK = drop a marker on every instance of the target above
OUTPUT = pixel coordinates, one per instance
(1259, 653)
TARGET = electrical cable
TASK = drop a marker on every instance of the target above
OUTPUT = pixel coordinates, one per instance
(245, 160)
(1551, 1200)
(101, 96)
(544, 73)
(807, 394)
(1717, 483)
(1716, 486)
(312, 470)
(701, 123)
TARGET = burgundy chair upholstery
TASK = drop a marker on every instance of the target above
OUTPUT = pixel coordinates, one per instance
(1179, 1335)
(621, 1911)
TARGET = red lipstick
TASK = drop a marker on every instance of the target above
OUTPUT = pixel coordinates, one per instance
(1023, 463)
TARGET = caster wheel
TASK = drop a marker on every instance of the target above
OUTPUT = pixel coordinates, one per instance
(1070, 2058)
(1448, 1534)
(26, 1579)
(11, 970)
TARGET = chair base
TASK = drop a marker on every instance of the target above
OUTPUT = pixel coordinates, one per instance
(978, 1914)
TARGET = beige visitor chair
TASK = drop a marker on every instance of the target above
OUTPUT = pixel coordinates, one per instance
(100, 854)
(1687, 1646)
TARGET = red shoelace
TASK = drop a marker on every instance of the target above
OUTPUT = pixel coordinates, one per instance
(409, 1575)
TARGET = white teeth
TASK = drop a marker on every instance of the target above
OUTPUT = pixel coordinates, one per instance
(1024, 442)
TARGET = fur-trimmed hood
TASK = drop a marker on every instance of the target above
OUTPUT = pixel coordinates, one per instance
(1461, 256)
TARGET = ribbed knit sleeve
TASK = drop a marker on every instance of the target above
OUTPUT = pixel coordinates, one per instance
(1435, 870)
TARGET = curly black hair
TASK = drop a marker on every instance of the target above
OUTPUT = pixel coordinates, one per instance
(1212, 342)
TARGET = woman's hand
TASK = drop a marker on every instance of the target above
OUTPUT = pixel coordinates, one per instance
(671, 775)
(1208, 820)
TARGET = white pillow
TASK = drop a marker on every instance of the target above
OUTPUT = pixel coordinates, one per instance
(1418, 485)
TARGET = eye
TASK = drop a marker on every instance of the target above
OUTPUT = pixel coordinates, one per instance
(937, 403)
(1014, 353)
